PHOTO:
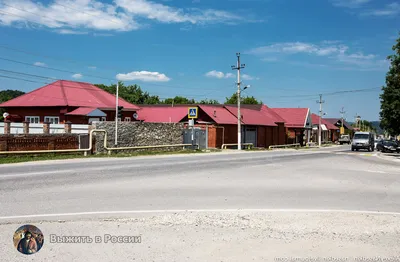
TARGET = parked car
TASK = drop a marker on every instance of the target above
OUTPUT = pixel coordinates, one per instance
(388, 146)
(363, 140)
(344, 139)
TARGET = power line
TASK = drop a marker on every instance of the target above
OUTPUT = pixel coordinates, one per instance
(41, 15)
(22, 79)
(90, 75)
(17, 78)
(24, 18)
(87, 13)
(52, 68)
(31, 75)
(51, 78)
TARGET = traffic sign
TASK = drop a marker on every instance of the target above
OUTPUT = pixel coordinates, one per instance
(193, 112)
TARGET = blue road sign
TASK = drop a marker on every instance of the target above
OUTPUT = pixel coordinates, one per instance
(192, 112)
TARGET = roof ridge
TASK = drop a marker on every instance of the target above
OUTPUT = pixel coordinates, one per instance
(63, 91)
(28, 93)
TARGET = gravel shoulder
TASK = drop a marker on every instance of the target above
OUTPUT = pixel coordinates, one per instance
(219, 236)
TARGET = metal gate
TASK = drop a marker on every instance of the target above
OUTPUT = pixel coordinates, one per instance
(251, 135)
(83, 141)
(199, 137)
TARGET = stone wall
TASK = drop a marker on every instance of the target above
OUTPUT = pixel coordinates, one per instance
(132, 134)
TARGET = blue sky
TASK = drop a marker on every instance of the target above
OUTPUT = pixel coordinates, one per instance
(293, 50)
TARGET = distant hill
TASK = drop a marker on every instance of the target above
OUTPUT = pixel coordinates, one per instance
(374, 124)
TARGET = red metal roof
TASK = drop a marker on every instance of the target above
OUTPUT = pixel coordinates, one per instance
(219, 114)
(315, 121)
(162, 114)
(253, 116)
(68, 93)
(272, 114)
(294, 117)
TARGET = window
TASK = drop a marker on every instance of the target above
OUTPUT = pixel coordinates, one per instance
(361, 136)
(52, 119)
(127, 119)
(93, 119)
(32, 119)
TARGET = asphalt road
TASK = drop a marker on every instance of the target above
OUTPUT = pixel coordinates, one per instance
(287, 194)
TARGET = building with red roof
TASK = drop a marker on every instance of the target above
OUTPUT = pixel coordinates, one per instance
(298, 124)
(260, 125)
(61, 101)
(329, 132)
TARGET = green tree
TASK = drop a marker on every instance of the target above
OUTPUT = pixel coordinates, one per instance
(208, 102)
(365, 126)
(131, 93)
(248, 100)
(390, 98)
(6, 95)
(179, 100)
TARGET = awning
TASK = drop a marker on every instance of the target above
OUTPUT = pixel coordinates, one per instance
(87, 111)
(324, 128)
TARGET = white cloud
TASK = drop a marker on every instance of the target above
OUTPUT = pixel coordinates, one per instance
(144, 76)
(70, 32)
(220, 75)
(77, 76)
(215, 74)
(248, 77)
(39, 64)
(392, 9)
(350, 3)
(120, 15)
(298, 47)
(69, 14)
(92, 67)
(229, 75)
(168, 14)
(332, 53)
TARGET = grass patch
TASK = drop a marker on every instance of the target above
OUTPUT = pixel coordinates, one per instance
(31, 157)
(52, 156)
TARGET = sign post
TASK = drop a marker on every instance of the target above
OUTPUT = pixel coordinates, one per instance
(192, 115)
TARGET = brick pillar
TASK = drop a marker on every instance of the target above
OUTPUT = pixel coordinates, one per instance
(68, 127)
(7, 127)
(52, 144)
(46, 127)
(26, 127)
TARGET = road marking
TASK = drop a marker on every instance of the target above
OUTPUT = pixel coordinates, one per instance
(375, 171)
(203, 211)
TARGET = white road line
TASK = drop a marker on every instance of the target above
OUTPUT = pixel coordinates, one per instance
(203, 211)
(375, 171)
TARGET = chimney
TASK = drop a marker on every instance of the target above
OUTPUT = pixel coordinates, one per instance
(215, 113)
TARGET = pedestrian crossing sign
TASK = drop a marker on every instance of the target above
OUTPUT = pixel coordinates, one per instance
(192, 112)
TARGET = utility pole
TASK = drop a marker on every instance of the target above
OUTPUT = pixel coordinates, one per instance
(320, 102)
(342, 112)
(116, 115)
(238, 67)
